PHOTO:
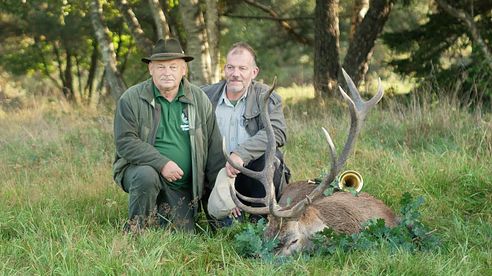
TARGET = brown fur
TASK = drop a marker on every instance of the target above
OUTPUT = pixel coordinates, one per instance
(342, 212)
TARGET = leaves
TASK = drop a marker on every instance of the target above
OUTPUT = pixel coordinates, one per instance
(409, 235)
(329, 191)
(250, 243)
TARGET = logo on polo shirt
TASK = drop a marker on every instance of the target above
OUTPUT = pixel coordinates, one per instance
(185, 123)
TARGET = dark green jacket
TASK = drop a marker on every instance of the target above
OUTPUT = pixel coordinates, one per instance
(135, 125)
(255, 146)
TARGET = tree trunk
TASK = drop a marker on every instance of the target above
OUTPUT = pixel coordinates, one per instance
(59, 63)
(160, 20)
(196, 41)
(79, 80)
(45, 64)
(213, 29)
(359, 10)
(92, 71)
(326, 47)
(124, 59)
(143, 43)
(362, 45)
(68, 77)
(112, 75)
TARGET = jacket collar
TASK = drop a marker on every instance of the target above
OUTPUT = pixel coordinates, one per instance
(188, 96)
(252, 105)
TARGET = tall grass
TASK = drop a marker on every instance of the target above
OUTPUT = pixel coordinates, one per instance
(60, 212)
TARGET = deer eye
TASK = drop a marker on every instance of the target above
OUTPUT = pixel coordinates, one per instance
(294, 242)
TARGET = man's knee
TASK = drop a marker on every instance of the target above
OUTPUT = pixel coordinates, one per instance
(142, 179)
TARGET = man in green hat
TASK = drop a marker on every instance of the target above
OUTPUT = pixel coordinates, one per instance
(168, 144)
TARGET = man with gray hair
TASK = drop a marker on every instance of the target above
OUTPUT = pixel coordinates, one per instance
(237, 102)
(168, 144)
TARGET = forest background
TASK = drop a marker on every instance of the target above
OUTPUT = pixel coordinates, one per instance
(85, 49)
(64, 63)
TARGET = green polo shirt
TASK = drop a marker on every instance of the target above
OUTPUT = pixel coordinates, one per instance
(173, 136)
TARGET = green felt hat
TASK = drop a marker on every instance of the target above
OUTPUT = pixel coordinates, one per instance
(167, 50)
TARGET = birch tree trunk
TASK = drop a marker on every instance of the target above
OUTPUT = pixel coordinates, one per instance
(160, 20)
(143, 43)
(213, 29)
(196, 41)
(113, 77)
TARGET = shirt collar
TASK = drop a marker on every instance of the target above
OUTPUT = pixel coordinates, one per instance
(223, 98)
(157, 93)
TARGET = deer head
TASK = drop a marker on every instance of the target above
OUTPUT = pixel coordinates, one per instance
(294, 224)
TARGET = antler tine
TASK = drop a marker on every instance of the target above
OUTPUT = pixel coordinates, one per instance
(358, 110)
(265, 176)
(244, 207)
(235, 195)
(354, 94)
(362, 106)
(299, 207)
(243, 170)
(270, 151)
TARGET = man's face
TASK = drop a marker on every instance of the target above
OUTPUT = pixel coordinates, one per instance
(239, 71)
(167, 74)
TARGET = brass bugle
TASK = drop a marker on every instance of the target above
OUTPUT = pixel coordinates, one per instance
(350, 179)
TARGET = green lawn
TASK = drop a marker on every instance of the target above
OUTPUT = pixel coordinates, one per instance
(60, 212)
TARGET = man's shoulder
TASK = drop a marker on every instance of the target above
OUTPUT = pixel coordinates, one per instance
(260, 88)
(196, 90)
(213, 89)
(139, 90)
(197, 95)
(212, 86)
(193, 87)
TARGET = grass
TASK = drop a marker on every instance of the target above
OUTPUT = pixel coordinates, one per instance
(60, 212)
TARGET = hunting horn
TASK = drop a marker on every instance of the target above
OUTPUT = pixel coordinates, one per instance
(350, 179)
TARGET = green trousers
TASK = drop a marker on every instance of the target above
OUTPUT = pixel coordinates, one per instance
(149, 193)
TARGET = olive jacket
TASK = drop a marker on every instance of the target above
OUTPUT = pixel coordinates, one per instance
(135, 124)
(255, 146)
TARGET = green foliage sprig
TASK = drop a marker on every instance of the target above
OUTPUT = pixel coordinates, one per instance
(410, 235)
(334, 187)
(250, 242)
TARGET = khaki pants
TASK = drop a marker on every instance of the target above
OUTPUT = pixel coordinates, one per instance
(148, 192)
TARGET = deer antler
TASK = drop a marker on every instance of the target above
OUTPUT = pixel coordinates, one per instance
(358, 110)
(264, 176)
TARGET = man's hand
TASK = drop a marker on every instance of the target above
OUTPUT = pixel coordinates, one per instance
(171, 171)
(236, 212)
(231, 172)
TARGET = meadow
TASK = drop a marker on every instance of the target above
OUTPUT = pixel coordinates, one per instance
(61, 213)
